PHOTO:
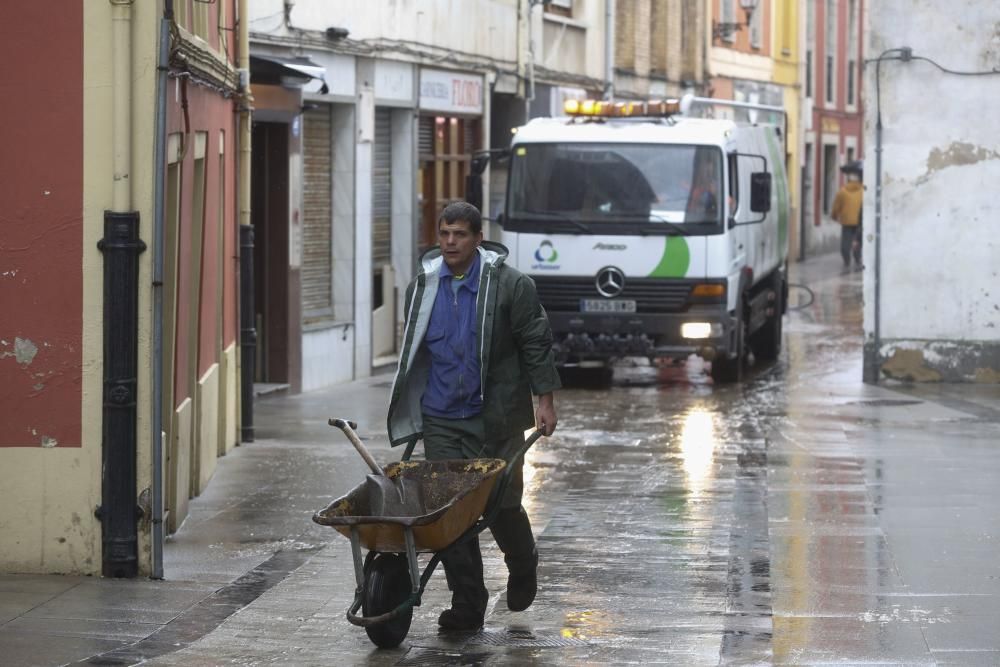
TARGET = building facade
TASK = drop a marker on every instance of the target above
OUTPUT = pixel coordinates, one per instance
(118, 360)
(200, 248)
(366, 119)
(932, 312)
(832, 113)
(755, 58)
(658, 49)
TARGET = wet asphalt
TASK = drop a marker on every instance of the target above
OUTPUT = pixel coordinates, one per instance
(799, 517)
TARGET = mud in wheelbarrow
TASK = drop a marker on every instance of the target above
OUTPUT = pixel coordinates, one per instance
(454, 492)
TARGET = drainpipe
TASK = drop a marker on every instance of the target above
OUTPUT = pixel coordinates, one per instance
(871, 369)
(159, 194)
(609, 49)
(121, 245)
(529, 93)
(247, 340)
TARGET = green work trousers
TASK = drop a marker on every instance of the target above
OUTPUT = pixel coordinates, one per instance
(463, 564)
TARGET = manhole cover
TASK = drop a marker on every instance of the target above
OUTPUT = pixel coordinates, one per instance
(885, 402)
(523, 638)
(454, 658)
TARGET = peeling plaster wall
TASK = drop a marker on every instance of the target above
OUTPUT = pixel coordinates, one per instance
(940, 271)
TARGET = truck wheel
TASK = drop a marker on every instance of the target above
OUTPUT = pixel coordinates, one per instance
(726, 370)
(766, 341)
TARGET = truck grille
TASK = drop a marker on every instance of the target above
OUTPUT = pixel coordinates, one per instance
(651, 295)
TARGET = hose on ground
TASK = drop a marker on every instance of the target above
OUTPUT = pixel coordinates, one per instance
(801, 306)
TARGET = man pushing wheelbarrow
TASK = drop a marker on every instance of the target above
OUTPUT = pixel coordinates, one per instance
(476, 346)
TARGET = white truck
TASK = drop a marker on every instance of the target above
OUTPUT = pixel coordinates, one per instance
(653, 233)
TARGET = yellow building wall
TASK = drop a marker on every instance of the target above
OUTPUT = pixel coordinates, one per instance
(787, 71)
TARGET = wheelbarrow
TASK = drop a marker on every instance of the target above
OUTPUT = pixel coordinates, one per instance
(462, 499)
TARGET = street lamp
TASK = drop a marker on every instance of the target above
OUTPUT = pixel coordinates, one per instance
(725, 30)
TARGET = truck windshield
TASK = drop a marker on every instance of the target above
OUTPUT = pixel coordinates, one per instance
(599, 185)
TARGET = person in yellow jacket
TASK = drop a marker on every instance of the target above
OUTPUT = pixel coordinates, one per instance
(847, 211)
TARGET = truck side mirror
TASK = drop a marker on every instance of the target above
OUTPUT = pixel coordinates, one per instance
(474, 181)
(760, 192)
(474, 190)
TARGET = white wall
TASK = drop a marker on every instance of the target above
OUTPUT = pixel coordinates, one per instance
(468, 34)
(482, 27)
(939, 288)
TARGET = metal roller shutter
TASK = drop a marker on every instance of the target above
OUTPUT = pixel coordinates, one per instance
(317, 214)
(382, 190)
(425, 138)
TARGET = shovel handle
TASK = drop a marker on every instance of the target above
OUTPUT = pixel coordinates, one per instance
(348, 427)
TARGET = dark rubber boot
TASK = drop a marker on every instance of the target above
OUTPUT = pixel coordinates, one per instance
(512, 531)
(463, 568)
(461, 617)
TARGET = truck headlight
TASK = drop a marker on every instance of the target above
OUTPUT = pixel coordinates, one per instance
(701, 330)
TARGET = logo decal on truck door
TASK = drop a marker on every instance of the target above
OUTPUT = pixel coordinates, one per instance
(546, 256)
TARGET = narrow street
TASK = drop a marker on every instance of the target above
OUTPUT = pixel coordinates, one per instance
(798, 518)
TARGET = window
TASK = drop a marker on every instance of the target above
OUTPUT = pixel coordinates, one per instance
(734, 182)
(445, 147)
(728, 14)
(810, 45)
(829, 176)
(560, 7)
(830, 49)
(756, 27)
(317, 201)
(852, 50)
(809, 73)
(630, 187)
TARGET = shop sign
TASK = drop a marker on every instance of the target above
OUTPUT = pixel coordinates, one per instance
(451, 92)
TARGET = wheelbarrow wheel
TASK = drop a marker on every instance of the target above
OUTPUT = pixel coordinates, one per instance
(387, 585)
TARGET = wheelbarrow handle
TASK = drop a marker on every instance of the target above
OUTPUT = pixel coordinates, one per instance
(341, 423)
(348, 427)
(528, 442)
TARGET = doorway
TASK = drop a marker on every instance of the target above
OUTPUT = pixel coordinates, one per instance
(269, 217)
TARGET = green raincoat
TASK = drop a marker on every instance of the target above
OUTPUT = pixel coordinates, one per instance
(514, 340)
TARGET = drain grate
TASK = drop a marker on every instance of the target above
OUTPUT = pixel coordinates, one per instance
(523, 638)
(438, 658)
(885, 402)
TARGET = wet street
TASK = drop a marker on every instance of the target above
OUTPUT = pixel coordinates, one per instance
(797, 518)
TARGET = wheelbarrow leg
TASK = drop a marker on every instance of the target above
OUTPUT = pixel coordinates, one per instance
(411, 557)
(359, 572)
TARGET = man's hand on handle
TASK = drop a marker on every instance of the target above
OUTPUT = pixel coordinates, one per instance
(545, 415)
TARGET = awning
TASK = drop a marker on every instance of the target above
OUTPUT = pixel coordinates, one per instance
(291, 72)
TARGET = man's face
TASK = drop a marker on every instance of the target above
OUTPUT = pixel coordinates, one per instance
(458, 244)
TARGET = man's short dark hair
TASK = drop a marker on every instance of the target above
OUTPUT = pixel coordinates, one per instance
(460, 211)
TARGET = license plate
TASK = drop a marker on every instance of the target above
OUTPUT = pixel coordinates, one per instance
(607, 306)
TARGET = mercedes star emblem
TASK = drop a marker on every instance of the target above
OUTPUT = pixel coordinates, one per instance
(610, 281)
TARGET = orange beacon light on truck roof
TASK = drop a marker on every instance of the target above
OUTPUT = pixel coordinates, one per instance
(605, 109)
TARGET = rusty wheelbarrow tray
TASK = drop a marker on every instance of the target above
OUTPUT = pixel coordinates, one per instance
(454, 491)
(462, 500)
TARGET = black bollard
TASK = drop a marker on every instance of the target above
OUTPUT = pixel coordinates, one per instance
(248, 334)
(119, 511)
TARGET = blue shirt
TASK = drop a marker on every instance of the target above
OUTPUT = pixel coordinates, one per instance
(453, 388)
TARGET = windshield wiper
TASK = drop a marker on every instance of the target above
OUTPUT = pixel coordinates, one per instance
(562, 217)
(652, 217)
